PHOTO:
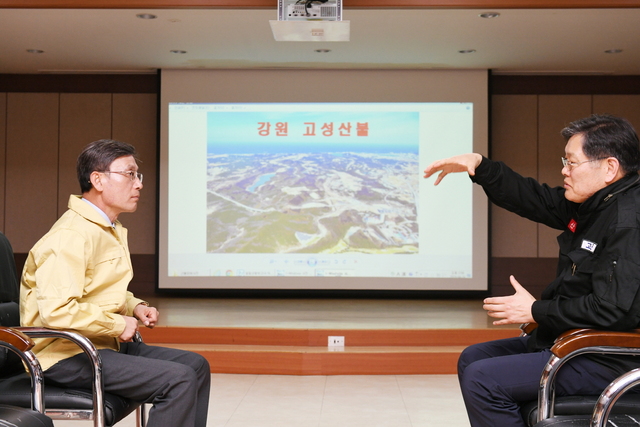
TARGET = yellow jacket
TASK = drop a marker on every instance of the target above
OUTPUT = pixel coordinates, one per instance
(75, 278)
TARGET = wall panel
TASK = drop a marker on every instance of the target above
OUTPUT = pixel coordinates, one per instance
(627, 106)
(555, 112)
(135, 122)
(514, 140)
(31, 166)
(83, 118)
(3, 146)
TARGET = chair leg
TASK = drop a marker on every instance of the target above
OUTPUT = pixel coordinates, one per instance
(141, 416)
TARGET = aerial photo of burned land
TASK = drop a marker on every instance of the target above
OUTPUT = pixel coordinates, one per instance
(327, 203)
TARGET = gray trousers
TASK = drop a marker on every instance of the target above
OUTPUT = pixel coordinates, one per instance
(176, 382)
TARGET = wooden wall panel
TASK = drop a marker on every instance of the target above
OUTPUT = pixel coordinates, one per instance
(554, 113)
(627, 106)
(83, 118)
(134, 121)
(31, 166)
(3, 146)
(514, 140)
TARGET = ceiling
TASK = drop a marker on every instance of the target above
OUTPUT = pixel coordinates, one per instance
(519, 41)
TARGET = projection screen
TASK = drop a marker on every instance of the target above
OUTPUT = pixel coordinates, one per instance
(312, 179)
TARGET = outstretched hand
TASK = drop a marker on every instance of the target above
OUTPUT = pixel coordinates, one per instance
(463, 163)
(512, 309)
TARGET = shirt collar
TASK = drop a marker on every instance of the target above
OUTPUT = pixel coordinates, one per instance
(101, 212)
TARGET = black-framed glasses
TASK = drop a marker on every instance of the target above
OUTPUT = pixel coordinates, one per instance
(131, 174)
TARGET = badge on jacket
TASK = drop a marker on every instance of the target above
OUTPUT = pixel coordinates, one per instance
(589, 246)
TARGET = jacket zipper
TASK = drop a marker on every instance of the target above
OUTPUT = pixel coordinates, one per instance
(613, 270)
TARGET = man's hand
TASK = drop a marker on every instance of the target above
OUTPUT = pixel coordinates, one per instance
(130, 329)
(147, 315)
(464, 163)
(512, 309)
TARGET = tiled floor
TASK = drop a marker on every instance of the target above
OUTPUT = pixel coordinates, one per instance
(329, 401)
(326, 401)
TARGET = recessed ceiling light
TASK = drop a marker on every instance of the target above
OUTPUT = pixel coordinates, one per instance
(489, 15)
(613, 51)
(35, 51)
(322, 50)
(178, 52)
(467, 51)
(146, 16)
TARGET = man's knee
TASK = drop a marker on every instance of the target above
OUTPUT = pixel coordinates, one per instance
(181, 376)
(473, 377)
(467, 357)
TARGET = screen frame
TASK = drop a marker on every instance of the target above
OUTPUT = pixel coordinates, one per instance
(254, 86)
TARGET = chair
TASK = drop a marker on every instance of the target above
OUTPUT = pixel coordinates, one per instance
(22, 417)
(602, 411)
(104, 409)
(577, 411)
(20, 345)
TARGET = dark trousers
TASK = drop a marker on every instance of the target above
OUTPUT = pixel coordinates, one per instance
(176, 382)
(497, 376)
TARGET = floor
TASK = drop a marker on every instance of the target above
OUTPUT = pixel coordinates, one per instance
(329, 401)
(326, 401)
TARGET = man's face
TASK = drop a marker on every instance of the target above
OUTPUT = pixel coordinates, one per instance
(583, 180)
(120, 193)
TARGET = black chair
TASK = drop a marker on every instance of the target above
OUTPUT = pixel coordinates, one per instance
(20, 345)
(602, 411)
(21, 417)
(550, 410)
(104, 409)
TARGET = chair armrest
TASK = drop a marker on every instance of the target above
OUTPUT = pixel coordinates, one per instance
(574, 343)
(16, 338)
(577, 339)
(94, 358)
(21, 345)
(527, 328)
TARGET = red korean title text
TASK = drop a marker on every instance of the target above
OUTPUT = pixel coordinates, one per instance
(315, 129)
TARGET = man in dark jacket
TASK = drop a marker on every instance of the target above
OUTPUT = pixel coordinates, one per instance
(598, 273)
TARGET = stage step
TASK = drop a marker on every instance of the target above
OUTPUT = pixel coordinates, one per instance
(305, 351)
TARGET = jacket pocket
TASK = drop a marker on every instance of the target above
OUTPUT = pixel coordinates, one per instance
(112, 255)
(619, 284)
(582, 261)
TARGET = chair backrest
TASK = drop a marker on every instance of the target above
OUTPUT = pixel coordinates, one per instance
(10, 363)
(9, 286)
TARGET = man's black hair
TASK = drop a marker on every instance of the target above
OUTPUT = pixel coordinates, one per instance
(98, 156)
(605, 136)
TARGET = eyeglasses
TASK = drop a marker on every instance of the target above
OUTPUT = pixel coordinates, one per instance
(131, 174)
(572, 165)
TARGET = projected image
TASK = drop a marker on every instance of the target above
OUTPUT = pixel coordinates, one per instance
(312, 182)
(263, 195)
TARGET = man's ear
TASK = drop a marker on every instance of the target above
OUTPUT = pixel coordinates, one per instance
(96, 180)
(614, 172)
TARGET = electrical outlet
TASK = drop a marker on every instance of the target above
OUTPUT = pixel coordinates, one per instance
(336, 341)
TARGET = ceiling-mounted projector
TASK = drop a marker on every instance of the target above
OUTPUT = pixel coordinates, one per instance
(310, 20)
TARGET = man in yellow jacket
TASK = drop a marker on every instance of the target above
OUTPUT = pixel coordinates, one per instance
(76, 277)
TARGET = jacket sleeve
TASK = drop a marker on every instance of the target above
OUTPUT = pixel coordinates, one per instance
(523, 196)
(611, 302)
(60, 278)
(132, 302)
